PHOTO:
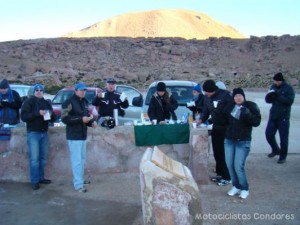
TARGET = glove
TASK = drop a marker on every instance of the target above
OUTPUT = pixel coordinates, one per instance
(5, 103)
(245, 112)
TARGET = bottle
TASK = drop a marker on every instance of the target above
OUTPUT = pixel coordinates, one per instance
(116, 117)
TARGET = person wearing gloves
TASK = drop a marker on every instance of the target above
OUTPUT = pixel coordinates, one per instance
(162, 106)
(10, 103)
(281, 95)
(37, 112)
(109, 100)
(196, 106)
(240, 116)
(75, 114)
(214, 103)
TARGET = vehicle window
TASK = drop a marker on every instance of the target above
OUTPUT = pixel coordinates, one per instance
(182, 94)
(129, 92)
(62, 96)
(90, 95)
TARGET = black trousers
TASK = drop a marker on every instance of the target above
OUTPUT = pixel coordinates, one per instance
(217, 140)
(283, 127)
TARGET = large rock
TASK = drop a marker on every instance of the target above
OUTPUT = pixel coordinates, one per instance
(170, 195)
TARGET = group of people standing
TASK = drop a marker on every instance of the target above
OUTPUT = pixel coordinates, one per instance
(233, 118)
(231, 115)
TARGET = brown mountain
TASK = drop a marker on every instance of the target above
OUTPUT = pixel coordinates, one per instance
(159, 23)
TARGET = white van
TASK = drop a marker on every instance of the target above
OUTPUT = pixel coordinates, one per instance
(181, 91)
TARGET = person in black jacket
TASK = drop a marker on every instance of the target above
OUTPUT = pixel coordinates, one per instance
(110, 100)
(162, 106)
(37, 113)
(10, 103)
(214, 103)
(197, 103)
(75, 115)
(240, 117)
(281, 95)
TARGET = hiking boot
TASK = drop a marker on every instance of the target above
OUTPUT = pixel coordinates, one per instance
(281, 161)
(81, 190)
(233, 191)
(223, 182)
(216, 179)
(86, 182)
(271, 155)
(45, 181)
(35, 186)
(244, 194)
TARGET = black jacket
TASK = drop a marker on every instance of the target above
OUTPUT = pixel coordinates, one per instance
(282, 98)
(30, 113)
(223, 98)
(159, 109)
(241, 129)
(110, 102)
(73, 109)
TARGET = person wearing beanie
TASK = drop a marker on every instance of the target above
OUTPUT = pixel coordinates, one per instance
(10, 104)
(215, 101)
(37, 112)
(281, 95)
(162, 106)
(197, 105)
(239, 116)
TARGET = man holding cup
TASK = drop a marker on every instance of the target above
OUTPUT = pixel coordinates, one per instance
(37, 112)
(110, 100)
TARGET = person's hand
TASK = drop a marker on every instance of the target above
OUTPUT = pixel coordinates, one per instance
(99, 94)
(87, 119)
(43, 112)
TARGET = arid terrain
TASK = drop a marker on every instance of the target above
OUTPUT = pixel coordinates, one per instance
(141, 48)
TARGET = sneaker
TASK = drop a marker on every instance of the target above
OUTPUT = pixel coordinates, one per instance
(223, 182)
(216, 179)
(244, 194)
(271, 155)
(233, 191)
(81, 190)
(86, 182)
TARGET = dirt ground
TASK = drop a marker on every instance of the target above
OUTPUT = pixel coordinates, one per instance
(274, 194)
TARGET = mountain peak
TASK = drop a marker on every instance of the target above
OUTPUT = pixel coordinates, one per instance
(185, 24)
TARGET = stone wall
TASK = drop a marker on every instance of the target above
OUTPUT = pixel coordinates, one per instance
(108, 151)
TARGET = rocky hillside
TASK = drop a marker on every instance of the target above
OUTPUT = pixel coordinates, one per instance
(248, 63)
(160, 23)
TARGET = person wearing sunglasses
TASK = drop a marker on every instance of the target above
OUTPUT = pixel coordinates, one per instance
(37, 112)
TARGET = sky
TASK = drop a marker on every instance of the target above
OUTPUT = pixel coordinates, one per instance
(32, 19)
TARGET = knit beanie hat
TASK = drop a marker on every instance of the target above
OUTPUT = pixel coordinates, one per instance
(197, 88)
(278, 77)
(161, 86)
(4, 84)
(38, 86)
(209, 86)
(236, 91)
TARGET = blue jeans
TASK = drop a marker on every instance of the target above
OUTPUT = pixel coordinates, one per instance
(78, 155)
(236, 153)
(283, 127)
(38, 149)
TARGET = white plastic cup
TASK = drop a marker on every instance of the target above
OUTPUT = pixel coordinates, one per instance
(154, 122)
(194, 125)
(135, 122)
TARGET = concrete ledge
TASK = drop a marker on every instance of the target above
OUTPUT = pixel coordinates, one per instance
(108, 151)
